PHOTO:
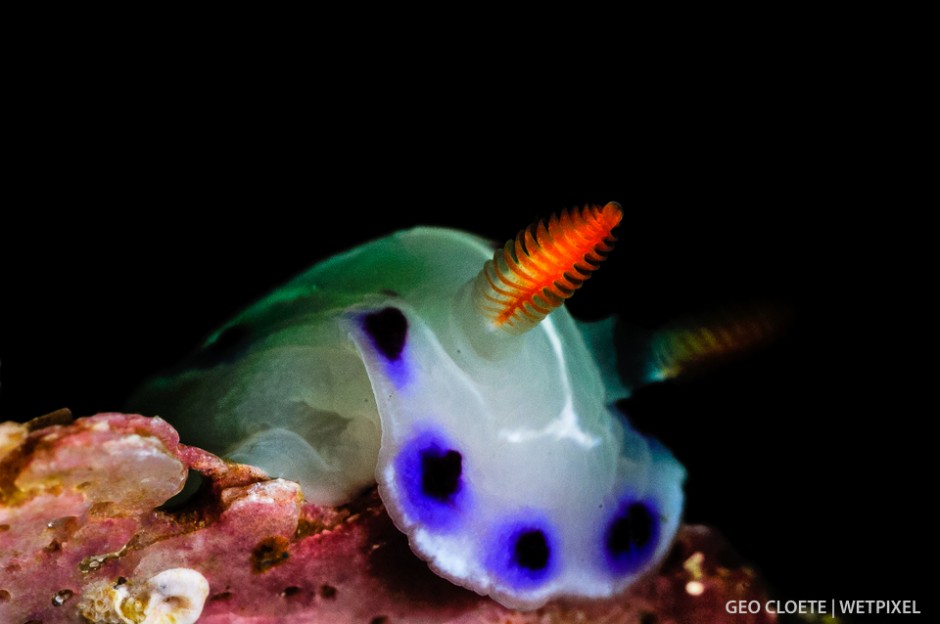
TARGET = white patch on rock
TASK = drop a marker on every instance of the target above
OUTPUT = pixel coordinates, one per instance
(174, 596)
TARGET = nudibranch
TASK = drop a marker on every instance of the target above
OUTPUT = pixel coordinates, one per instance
(453, 377)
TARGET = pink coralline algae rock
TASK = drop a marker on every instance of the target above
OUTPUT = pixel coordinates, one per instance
(83, 539)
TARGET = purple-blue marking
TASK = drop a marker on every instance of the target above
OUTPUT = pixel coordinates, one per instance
(522, 551)
(388, 330)
(429, 470)
(630, 535)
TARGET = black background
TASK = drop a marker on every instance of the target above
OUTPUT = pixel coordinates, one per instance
(135, 225)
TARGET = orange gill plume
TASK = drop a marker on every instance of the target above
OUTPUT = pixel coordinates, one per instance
(694, 344)
(535, 272)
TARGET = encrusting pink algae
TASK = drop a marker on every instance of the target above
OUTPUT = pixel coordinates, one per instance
(85, 536)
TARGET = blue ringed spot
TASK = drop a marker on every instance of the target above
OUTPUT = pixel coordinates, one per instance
(429, 471)
(630, 536)
(523, 552)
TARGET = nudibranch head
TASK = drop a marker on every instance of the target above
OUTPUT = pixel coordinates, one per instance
(545, 264)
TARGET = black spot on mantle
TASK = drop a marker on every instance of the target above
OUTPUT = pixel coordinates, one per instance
(440, 474)
(388, 329)
(531, 550)
(632, 530)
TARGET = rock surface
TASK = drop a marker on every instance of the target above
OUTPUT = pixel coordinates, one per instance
(85, 536)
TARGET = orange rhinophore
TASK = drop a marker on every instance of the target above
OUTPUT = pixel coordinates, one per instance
(535, 272)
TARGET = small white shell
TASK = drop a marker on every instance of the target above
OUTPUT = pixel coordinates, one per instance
(174, 596)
